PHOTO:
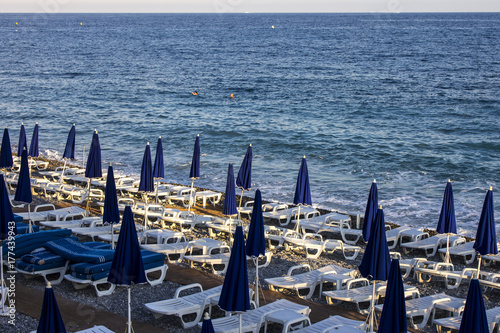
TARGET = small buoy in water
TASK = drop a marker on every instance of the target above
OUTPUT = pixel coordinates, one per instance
(81, 23)
(272, 26)
(16, 23)
(231, 96)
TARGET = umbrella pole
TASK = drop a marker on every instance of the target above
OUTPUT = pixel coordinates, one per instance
(241, 329)
(129, 323)
(112, 237)
(88, 202)
(157, 184)
(297, 223)
(30, 229)
(2, 284)
(256, 262)
(371, 314)
(447, 257)
(479, 266)
(239, 208)
(62, 173)
(190, 195)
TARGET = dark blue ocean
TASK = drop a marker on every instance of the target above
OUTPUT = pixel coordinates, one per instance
(410, 100)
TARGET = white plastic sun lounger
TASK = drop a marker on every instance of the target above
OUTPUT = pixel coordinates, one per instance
(96, 329)
(465, 250)
(57, 214)
(324, 223)
(304, 282)
(453, 323)
(334, 324)
(430, 245)
(314, 245)
(253, 320)
(60, 271)
(183, 306)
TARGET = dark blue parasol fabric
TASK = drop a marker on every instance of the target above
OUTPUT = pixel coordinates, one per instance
(111, 212)
(370, 211)
(50, 318)
(486, 238)
(146, 183)
(256, 242)
(447, 222)
(159, 168)
(474, 318)
(23, 190)
(229, 206)
(6, 160)
(376, 259)
(234, 296)
(93, 168)
(69, 150)
(194, 173)
(207, 326)
(6, 216)
(393, 318)
(34, 143)
(244, 178)
(22, 141)
(127, 266)
(302, 189)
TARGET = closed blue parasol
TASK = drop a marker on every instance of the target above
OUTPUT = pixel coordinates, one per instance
(234, 296)
(111, 212)
(302, 190)
(244, 178)
(50, 318)
(146, 182)
(447, 223)
(229, 206)
(127, 266)
(93, 169)
(23, 189)
(376, 259)
(6, 153)
(486, 238)
(370, 211)
(474, 316)
(34, 143)
(393, 318)
(22, 140)
(69, 150)
(256, 242)
(158, 167)
(7, 228)
(194, 173)
(207, 326)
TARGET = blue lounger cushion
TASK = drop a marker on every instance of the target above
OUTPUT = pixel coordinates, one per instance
(72, 250)
(89, 269)
(26, 243)
(36, 268)
(104, 274)
(23, 228)
(47, 257)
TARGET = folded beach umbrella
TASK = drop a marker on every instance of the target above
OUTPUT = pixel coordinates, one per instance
(22, 141)
(7, 228)
(50, 318)
(302, 190)
(393, 318)
(370, 211)
(34, 143)
(244, 178)
(127, 267)
(6, 161)
(69, 150)
(111, 213)
(376, 259)
(158, 167)
(194, 173)
(474, 316)
(486, 238)
(207, 326)
(146, 183)
(256, 242)
(23, 189)
(447, 223)
(234, 296)
(229, 206)
(93, 169)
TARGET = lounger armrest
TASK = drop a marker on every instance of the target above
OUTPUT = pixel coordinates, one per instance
(297, 267)
(249, 203)
(186, 287)
(44, 206)
(364, 281)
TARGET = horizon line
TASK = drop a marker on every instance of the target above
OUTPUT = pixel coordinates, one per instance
(222, 13)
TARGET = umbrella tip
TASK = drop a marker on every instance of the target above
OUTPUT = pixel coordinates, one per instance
(304, 156)
(250, 145)
(74, 124)
(198, 134)
(491, 188)
(380, 207)
(207, 317)
(147, 144)
(449, 180)
(22, 123)
(374, 180)
(159, 137)
(49, 285)
(95, 130)
(36, 123)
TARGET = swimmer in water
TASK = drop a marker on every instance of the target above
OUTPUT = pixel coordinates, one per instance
(231, 96)
(195, 93)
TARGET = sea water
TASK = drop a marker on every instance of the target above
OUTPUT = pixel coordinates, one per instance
(410, 100)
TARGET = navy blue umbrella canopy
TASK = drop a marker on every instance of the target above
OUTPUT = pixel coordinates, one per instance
(194, 173)
(93, 169)
(34, 143)
(376, 259)
(23, 190)
(486, 238)
(111, 212)
(69, 150)
(302, 189)
(234, 296)
(207, 326)
(393, 318)
(6, 216)
(256, 243)
(127, 266)
(244, 179)
(447, 222)
(159, 168)
(146, 184)
(50, 318)
(229, 207)
(22, 140)
(370, 211)
(474, 316)
(6, 153)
